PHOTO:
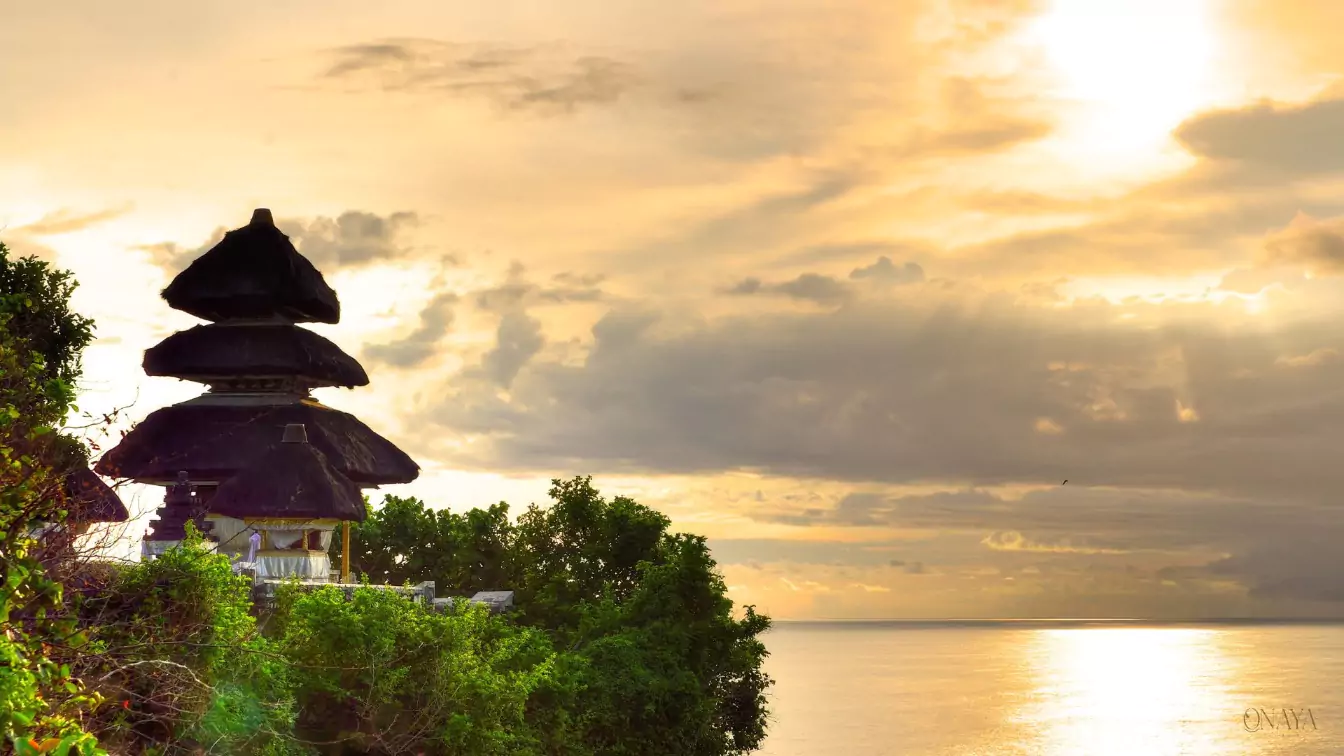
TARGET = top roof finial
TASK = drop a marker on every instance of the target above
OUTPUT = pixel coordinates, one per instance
(262, 217)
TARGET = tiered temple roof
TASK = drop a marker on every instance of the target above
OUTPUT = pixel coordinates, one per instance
(215, 354)
(254, 287)
(216, 440)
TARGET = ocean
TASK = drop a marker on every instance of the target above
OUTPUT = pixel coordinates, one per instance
(1066, 688)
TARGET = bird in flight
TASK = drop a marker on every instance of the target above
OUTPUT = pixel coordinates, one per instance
(1066, 480)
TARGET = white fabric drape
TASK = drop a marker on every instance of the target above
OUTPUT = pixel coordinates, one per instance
(230, 533)
(304, 564)
(234, 535)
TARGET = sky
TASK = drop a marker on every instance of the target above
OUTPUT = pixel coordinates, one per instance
(847, 286)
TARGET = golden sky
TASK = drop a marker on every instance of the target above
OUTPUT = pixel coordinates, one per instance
(848, 286)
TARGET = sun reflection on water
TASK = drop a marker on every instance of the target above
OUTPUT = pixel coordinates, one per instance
(1130, 691)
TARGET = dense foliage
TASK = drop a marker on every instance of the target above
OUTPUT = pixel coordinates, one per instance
(174, 642)
(416, 681)
(43, 705)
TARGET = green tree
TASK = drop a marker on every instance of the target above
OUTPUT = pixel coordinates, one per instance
(405, 541)
(35, 301)
(43, 347)
(659, 663)
(41, 701)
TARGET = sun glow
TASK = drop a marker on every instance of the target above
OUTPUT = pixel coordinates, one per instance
(1135, 68)
(1122, 691)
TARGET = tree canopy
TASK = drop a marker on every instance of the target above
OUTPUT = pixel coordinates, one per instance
(35, 305)
(644, 609)
(42, 702)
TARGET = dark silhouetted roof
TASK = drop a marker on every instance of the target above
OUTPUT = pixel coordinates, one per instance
(89, 499)
(254, 272)
(215, 442)
(293, 480)
(179, 508)
(215, 351)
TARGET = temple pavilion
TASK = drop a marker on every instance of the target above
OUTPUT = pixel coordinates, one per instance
(303, 461)
(294, 498)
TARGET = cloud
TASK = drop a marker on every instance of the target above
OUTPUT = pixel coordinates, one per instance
(1303, 567)
(536, 80)
(1011, 540)
(518, 340)
(574, 287)
(350, 240)
(814, 253)
(413, 350)
(1318, 245)
(174, 258)
(518, 292)
(886, 272)
(927, 390)
(1301, 139)
(909, 568)
(1313, 358)
(66, 221)
(728, 551)
(812, 287)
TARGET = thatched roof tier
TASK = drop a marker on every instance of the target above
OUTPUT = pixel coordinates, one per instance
(254, 272)
(292, 481)
(88, 499)
(215, 441)
(227, 350)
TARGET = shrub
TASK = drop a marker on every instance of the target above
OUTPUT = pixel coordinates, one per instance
(396, 677)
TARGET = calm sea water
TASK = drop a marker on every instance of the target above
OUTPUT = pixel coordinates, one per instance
(1056, 689)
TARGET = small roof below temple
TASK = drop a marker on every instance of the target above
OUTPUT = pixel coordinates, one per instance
(292, 481)
(254, 272)
(89, 499)
(179, 508)
(228, 350)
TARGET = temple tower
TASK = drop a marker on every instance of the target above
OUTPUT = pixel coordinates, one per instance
(253, 288)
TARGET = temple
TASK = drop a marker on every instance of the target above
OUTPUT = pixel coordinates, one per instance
(240, 439)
